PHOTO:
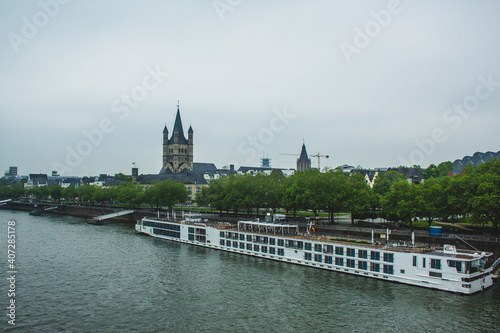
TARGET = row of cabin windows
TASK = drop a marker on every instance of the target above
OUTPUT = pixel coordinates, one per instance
(169, 233)
(199, 231)
(350, 252)
(374, 255)
(351, 263)
(252, 247)
(323, 248)
(166, 226)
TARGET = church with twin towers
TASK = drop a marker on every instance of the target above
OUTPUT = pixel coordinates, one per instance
(178, 163)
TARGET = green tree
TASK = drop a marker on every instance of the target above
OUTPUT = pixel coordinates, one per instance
(123, 178)
(128, 193)
(69, 193)
(399, 203)
(167, 193)
(41, 192)
(214, 194)
(385, 180)
(431, 200)
(56, 192)
(484, 193)
(433, 171)
(274, 190)
(359, 197)
(336, 192)
(86, 192)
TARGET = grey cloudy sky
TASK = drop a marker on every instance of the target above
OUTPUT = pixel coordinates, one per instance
(84, 87)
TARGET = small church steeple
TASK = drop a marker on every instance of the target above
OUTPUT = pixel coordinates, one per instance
(303, 162)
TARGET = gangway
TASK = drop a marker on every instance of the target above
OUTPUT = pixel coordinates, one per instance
(98, 219)
(38, 212)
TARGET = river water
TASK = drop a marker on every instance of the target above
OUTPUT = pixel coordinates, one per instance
(76, 277)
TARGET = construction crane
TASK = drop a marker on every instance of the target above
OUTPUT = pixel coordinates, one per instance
(318, 155)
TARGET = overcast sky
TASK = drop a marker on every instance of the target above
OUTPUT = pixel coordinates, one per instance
(87, 86)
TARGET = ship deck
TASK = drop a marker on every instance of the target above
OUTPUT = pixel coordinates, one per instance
(263, 229)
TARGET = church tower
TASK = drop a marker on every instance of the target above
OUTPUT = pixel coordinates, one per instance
(177, 151)
(303, 162)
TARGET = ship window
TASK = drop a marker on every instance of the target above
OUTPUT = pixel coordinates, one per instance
(375, 267)
(351, 263)
(242, 246)
(436, 274)
(436, 263)
(423, 262)
(256, 248)
(166, 233)
(281, 242)
(307, 256)
(257, 239)
(362, 265)
(191, 230)
(363, 254)
(456, 264)
(339, 250)
(351, 252)
(263, 249)
(328, 260)
(191, 237)
(389, 257)
(222, 242)
(414, 261)
(328, 248)
(308, 246)
(300, 245)
(388, 269)
(272, 241)
(339, 261)
(228, 243)
(402, 271)
(318, 258)
(249, 246)
(281, 252)
(375, 255)
(249, 238)
(318, 248)
(265, 240)
(242, 237)
(174, 227)
(272, 250)
(235, 245)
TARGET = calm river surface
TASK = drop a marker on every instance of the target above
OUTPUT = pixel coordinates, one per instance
(76, 277)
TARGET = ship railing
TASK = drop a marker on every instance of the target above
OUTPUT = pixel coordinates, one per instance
(404, 232)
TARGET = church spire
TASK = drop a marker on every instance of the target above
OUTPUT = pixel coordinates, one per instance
(178, 130)
(303, 162)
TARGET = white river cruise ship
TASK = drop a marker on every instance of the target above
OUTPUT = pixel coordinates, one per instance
(445, 268)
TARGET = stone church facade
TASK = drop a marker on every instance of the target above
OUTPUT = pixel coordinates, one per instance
(177, 150)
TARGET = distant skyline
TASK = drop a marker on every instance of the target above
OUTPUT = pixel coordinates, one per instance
(87, 86)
